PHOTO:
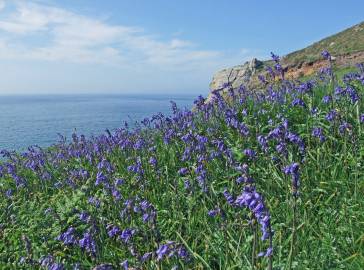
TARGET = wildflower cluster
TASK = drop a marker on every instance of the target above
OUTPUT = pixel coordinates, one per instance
(180, 190)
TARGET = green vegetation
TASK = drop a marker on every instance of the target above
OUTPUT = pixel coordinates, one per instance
(346, 42)
(280, 173)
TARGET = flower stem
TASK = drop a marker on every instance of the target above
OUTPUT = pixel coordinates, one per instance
(270, 262)
(254, 227)
(291, 252)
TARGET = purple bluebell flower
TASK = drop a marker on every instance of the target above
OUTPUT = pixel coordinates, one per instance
(187, 184)
(137, 167)
(104, 266)
(331, 115)
(318, 133)
(244, 179)
(278, 132)
(116, 194)
(139, 144)
(200, 101)
(244, 168)
(345, 127)
(126, 235)
(278, 67)
(45, 261)
(362, 118)
(252, 200)
(305, 87)
(296, 139)
(56, 266)
(314, 110)
(298, 102)
(214, 212)
(325, 54)
(183, 171)
(240, 179)
(87, 243)
(83, 216)
(229, 198)
(271, 72)
(162, 251)
(105, 164)
(282, 148)
(125, 265)
(275, 57)
(188, 137)
(113, 230)
(201, 179)
(293, 171)
(187, 154)
(119, 182)
(243, 129)
(182, 253)
(267, 253)
(169, 134)
(251, 154)
(153, 161)
(9, 193)
(263, 142)
(352, 93)
(68, 237)
(149, 216)
(339, 91)
(94, 201)
(170, 249)
(147, 256)
(327, 99)
(100, 178)
(262, 79)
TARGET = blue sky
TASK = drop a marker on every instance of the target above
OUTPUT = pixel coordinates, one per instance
(136, 46)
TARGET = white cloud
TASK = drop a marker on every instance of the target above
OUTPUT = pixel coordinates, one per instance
(2, 4)
(72, 50)
(71, 37)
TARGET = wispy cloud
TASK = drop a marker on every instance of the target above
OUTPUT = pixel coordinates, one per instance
(51, 47)
(67, 36)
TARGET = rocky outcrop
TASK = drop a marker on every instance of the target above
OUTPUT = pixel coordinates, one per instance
(237, 75)
(347, 47)
(247, 74)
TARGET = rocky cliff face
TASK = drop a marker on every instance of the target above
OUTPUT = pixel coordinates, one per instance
(347, 47)
(247, 74)
(238, 75)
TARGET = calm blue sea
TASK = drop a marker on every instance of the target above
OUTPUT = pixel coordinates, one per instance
(36, 120)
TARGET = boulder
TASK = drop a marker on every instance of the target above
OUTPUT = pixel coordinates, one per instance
(237, 75)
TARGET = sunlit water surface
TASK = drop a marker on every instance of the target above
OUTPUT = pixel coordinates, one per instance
(36, 120)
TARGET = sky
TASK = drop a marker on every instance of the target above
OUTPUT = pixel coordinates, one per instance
(151, 46)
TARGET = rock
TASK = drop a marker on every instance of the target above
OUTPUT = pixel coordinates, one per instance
(237, 75)
(254, 64)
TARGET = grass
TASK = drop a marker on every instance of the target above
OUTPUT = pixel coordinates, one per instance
(43, 193)
(348, 41)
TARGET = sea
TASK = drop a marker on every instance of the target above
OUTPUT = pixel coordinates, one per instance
(38, 119)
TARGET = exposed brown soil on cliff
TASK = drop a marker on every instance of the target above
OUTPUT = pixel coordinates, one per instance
(309, 68)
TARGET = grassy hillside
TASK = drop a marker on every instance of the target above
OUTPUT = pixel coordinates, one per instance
(348, 41)
(346, 47)
(274, 181)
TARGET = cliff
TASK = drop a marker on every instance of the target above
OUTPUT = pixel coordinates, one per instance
(347, 47)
